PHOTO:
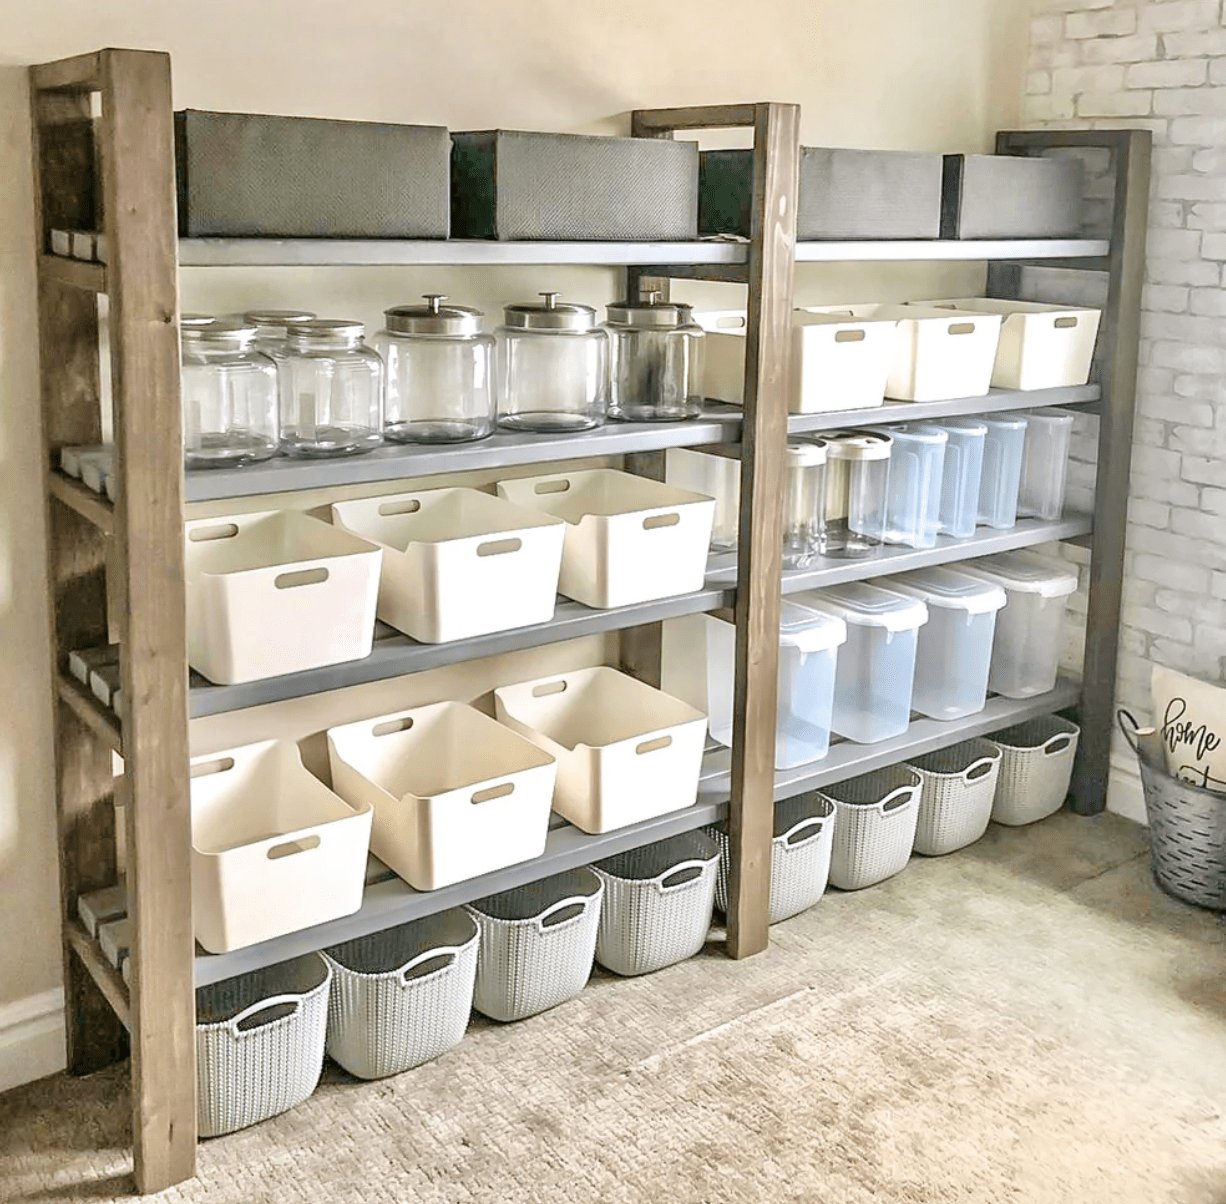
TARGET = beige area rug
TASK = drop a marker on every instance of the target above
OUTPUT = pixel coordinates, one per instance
(1029, 1020)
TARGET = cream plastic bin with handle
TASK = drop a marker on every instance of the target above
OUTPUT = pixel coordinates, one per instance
(459, 563)
(839, 362)
(1041, 346)
(455, 794)
(625, 752)
(629, 539)
(273, 849)
(937, 355)
(276, 592)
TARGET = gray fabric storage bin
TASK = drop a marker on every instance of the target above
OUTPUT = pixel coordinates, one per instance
(844, 194)
(511, 184)
(247, 175)
(1011, 196)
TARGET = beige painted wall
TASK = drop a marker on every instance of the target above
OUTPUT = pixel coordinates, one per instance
(941, 74)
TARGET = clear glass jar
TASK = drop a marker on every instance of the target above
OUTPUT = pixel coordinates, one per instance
(229, 392)
(270, 326)
(551, 367)
(804, 503)
(440, 367)
(655, 361)
(331, 388)
(857, 490)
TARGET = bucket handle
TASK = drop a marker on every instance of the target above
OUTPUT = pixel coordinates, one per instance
(978, 769)
(255, 1009)
(665, 887)
(452, 951)
(1131, 729)
(1057, 743)
(895, 803)
(817, 822)
(542, 921)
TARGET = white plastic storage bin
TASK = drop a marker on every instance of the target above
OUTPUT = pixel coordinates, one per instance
(1026, 650)
(1003, 448)
(800, 856)
(259, 1043)
(1044, 464)
(537, 944)
(1036, 767)
(839, 362)
(962, 475)
(657, 904)
(714, 472)
(273, 849)
(874, 827)
(630, 539)
(937, 354)
(696, 666)
(402, 997)
(957, 788)
(954, 651)
(459, 563)
(1041, 346)
(625, 752)
(455, 795)
(917, 465)
(876, 666)
(276, 592)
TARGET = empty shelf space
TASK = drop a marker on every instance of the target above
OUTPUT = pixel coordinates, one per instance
(395, 902)
(94, 507)
(966, 250)
(847, 759)
(110, 981)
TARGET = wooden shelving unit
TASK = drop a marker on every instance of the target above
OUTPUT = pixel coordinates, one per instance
(114, 174)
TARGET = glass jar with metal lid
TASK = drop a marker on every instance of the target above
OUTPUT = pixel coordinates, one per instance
(229, 394)
(270, 325)
(331, 387)
(857, 490)
(804, 502)
(655, 361)
(440, 367)
(551, 367)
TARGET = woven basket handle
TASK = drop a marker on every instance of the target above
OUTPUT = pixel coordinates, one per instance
(792, 838)
(895, 803)
(1057, 743)
(665, 887)
(978, 769)
(255, 1009)
(542, 921)
(448, 951)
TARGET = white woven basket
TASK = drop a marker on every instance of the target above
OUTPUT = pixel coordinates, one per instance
(1035, 768)
(874, 828)
(403, 996)
(958, 785)
(537, 944)
(259, 1043)
(800, 856)
(657, 903)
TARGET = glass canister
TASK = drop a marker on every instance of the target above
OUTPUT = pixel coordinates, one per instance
(331, 387)
(551, 367)
(655, 361)
(193, 320)
(857, 489)
(440, 386)
(270, 326)
(229, 392)
(804, 503)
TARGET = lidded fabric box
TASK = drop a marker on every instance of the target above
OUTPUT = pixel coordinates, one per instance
(250, 175)
(513, 184)
(844, 194)
(1011, 196)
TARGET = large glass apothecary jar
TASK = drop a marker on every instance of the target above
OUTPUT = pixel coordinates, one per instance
(331, 387)
(551, 367)
(440, 370)
(229, 392)
(270, 327)
(655, 361)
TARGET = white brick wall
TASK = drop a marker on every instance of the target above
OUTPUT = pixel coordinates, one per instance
(1158, 65)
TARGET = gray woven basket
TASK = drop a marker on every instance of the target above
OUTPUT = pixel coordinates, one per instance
(537, 944)
(957, 788)
(657, 903)
(259, 1043)
(875, 826)
(403, 996)
(1035, 768)
(800, 856)
(1187, 826)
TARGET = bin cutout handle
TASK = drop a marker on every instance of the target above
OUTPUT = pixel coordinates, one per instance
(564, 911)
(682, 874)
(896, 801)
(208, 534)
(203, 770)
(849, 336)
(499, 547)
(236, 1023)
(408, 505)
(730, 322)
(979, 769)
(1057, 744)
(1065, 323)
(290, 847)
(316, 576)
(549, 687)
(493, 792)
(418, 969)
(798, 834)
(650, 746)
(561, 485)
(389, 727)
(653, 522)
(962, 328)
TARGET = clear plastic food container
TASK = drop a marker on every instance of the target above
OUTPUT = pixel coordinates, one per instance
(1002, 470)
(716, 472)
(962, 476)
(917, 462)
(857, 488)
(804, 502)
(1044, 464)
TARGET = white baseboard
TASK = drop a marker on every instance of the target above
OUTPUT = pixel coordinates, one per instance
(1125, 795)
(31, 1038)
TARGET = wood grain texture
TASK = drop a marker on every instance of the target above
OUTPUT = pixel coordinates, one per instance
(89, 505)
(101, 721)
(108, 980)
(137, 159)
(759, 556)
(76, 557)
(80, 73)
(74, 272)
(645, 122)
